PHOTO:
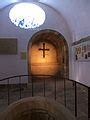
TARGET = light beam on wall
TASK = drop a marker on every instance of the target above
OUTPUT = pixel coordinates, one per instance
(27, 15)
(43, 59)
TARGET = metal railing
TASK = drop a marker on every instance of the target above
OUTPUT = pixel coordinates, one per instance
(74, 95)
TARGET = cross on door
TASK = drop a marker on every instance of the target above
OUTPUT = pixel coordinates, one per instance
(44, 50)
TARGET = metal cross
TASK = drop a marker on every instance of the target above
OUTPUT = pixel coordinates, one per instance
(43, 50)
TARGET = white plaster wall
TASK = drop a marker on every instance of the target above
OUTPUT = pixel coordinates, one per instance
(80, 70)
(76, 13)
(12, 64)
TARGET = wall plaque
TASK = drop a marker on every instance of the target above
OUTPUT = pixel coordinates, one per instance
(23, 55)
(8, 46)
(82, 49)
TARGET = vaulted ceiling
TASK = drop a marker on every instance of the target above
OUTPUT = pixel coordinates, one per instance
(75, 12)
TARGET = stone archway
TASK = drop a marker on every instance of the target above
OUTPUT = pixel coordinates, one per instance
(48, 54)
(36, 108)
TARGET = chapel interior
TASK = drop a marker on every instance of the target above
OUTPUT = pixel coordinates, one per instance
(44, 60)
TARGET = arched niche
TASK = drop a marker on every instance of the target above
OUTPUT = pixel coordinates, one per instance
(48, 54)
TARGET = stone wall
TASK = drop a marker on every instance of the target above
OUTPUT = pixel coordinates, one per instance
(25, 109)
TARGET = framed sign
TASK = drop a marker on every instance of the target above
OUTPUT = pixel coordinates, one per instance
(82, 50)
(8, 46)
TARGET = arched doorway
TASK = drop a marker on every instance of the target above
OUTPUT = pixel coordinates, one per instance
(48, 54)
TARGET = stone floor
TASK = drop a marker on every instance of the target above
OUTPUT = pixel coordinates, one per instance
(47, 89)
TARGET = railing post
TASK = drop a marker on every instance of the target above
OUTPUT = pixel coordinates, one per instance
(44, 87)
(88, 103)
(32, 86)
(8, 92)
(65, 91)
(75, 99)
(55, 88)
(20, 86)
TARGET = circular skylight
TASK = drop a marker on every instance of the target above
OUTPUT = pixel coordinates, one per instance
(27, 15)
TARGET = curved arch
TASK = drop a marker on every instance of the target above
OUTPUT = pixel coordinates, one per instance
(58, 42)
(34, 108)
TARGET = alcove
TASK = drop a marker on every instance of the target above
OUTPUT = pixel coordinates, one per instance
(48, 54)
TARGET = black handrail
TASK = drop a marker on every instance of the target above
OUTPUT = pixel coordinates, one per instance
(43, 76)
(75, 83)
